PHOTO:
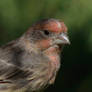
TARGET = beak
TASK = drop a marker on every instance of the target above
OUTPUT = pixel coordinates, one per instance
(62, 39)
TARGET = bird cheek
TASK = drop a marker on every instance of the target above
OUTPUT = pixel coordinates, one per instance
(43, 44)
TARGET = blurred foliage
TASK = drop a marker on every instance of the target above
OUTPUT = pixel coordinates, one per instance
(76, 72)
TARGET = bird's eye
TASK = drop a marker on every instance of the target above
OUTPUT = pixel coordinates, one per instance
(46, 32)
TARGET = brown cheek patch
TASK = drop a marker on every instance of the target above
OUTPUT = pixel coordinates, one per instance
(52, 50)
(43, 44)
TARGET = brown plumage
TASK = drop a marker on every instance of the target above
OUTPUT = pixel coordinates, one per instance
(30, 63)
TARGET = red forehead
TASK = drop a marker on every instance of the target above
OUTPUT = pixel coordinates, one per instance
(55, 26)
(52, 25)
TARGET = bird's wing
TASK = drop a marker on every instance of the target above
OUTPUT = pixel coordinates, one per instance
(18, 68)
(11, 75)
(9, 70)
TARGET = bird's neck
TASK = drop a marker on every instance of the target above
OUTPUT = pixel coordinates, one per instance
(27, 45)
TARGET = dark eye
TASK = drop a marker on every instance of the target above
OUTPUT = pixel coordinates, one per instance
(46, 32)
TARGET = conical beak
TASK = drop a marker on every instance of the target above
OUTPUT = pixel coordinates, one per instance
(62, 39)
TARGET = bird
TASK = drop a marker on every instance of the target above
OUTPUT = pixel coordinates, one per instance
(31, 62)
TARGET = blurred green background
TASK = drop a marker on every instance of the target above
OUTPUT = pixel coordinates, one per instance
(75, 74)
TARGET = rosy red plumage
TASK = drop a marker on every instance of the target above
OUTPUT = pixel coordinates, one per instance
(32, 61)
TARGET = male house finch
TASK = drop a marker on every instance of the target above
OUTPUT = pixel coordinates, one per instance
(30, 63)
